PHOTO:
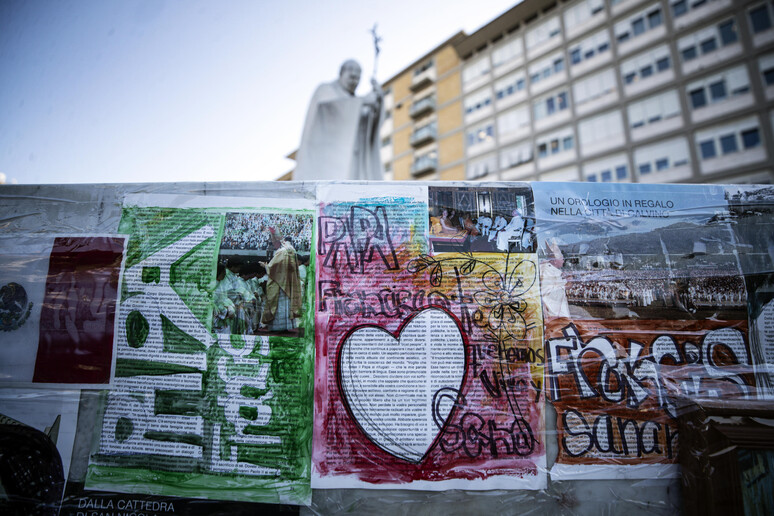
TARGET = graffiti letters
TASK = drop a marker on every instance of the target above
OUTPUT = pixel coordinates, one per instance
(608, 435)
(635, 377)
(355, 239)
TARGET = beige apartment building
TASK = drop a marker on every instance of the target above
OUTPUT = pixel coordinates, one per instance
(423, 134)
(592, 90)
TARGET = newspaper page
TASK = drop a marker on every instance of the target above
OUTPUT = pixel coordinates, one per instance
(644, 305)
(214, 352)
(429, 360)
(58, 299)
(752, 219)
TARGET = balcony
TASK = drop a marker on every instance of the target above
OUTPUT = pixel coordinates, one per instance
(422, 78)
(424, 164)
(422, 107)
(424, 135)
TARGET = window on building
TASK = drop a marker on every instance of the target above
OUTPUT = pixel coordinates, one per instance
(425, 161)
(729, 138)
(480, 134)
(561, 141)
(679, 8)
(482, 167)
(751, 138)
(549, 105)
(581, 12)
(766, 69)
(561, 100)
(698, 99)
(717, 91)
(547, 67)
(608, 169)
(662, 156)
(516, 155)
(663, 106)
(594, 86)
(728, 33)
(475, 69)
(589, 47)
(738, 90)
(708, 40)
(654, 18)
(728, 144)
(427, 65)
(478, 101)
(509, 85)
(507, 51)
(605, 129)
(543, 32)
(760, 19)
(708, 45)
(513, 121)
(689, 53)
(575, 56)
(647, 64)
(718, 87)
(578, 58)
(638, 24)
(707, 149)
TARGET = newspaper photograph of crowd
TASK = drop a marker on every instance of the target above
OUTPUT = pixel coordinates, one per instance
(685, 270)
(255, 230)
(712, 289)
(484, 220)
(261, 277)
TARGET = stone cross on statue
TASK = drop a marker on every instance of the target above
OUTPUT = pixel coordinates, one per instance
(377, 40)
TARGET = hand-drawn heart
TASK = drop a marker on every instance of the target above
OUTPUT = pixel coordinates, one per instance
(391, 384)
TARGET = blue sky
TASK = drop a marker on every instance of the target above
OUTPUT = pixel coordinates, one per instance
(173, 90)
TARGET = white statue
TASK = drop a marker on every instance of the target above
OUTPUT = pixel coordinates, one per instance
(341, 132)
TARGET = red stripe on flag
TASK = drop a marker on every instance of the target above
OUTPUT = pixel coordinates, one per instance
(78, 312)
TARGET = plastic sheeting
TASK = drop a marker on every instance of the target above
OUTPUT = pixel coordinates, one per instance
(385, 347)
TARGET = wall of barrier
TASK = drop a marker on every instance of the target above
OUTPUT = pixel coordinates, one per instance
(563, 348)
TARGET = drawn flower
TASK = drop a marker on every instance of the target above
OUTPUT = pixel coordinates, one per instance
(501, 300)
(423, 262)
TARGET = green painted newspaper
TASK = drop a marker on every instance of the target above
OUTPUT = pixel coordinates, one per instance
(215, 352)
